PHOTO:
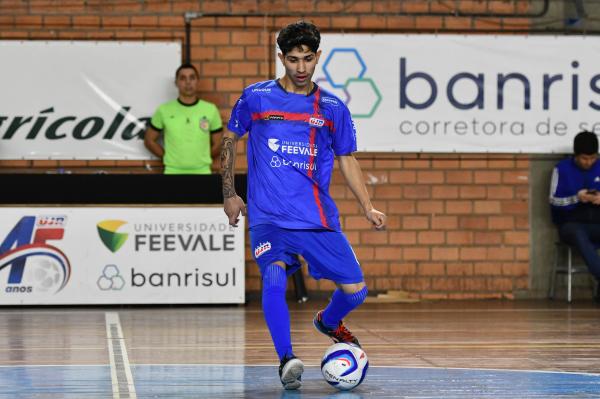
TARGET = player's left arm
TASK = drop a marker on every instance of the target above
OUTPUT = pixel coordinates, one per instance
(353, 174)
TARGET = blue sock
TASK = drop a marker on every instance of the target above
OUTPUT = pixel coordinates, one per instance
(341, 304)
(275, 309)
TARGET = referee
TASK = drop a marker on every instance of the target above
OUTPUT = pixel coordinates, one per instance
(189, 126)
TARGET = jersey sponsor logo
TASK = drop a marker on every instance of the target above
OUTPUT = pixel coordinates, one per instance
(272, 117)
(292, 147)
(277, 162)
(273, 144)
(299, 150)
(330, 100)
(262, 248)
(318, 122)
(267, 90)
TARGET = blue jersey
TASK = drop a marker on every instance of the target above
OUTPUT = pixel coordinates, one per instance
(292, 142)
(567, 180)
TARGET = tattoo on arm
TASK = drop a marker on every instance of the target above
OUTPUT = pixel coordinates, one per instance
(227, 158)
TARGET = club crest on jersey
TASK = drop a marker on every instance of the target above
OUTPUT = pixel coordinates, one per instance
(273, 144)
(204, 123)
(318, 122)
(262, 248)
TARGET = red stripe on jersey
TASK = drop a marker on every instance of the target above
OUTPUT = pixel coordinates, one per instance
(292, 116)
(311, 162)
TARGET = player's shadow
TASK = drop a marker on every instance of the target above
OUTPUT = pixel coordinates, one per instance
(334, 395)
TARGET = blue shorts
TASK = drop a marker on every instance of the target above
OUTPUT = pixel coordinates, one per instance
(328, 253)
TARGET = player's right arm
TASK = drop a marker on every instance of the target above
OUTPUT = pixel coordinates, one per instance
(352, 172)
(151, 142)
(233, 205)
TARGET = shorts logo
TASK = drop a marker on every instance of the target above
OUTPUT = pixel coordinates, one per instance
(316, 122)
(273, 144)
(262, 248)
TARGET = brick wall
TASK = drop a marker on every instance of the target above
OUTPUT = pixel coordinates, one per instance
(458, 224)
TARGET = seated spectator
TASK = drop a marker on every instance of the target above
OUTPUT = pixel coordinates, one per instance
(575, 201)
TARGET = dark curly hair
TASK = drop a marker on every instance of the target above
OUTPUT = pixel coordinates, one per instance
(297, 34)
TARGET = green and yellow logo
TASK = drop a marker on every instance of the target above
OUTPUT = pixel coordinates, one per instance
(107, 230)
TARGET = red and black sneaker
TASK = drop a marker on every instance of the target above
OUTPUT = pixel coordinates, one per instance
(339, 334)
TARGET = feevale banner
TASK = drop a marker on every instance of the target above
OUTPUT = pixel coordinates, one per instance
(117, 255)
(81, 99)
(456, 93)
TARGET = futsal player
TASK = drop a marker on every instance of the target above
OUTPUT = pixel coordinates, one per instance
(295, 130)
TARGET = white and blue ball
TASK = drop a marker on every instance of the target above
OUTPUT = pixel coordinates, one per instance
(344, 366)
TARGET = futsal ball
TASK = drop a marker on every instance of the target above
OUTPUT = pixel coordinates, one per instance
(344, 366)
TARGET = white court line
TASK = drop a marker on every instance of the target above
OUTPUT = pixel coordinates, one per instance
(383, 367)
(235, 311)
(120, 370)
(16, 366)
(308, 365)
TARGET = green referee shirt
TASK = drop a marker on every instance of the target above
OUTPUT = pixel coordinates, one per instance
(186, 131)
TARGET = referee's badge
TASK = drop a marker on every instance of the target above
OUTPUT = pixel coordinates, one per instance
(204, 123)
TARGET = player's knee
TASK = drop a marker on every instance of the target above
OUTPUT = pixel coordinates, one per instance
(355, 293)
(352, 288)
(274, 278)
(358, 297)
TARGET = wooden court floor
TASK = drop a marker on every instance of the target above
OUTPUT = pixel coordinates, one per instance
(484, 349)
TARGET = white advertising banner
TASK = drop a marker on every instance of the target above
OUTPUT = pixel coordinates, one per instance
(111, 255)
(454, 93)
(81, 99)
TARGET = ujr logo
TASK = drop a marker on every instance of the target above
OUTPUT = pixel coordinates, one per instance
(31, 264)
